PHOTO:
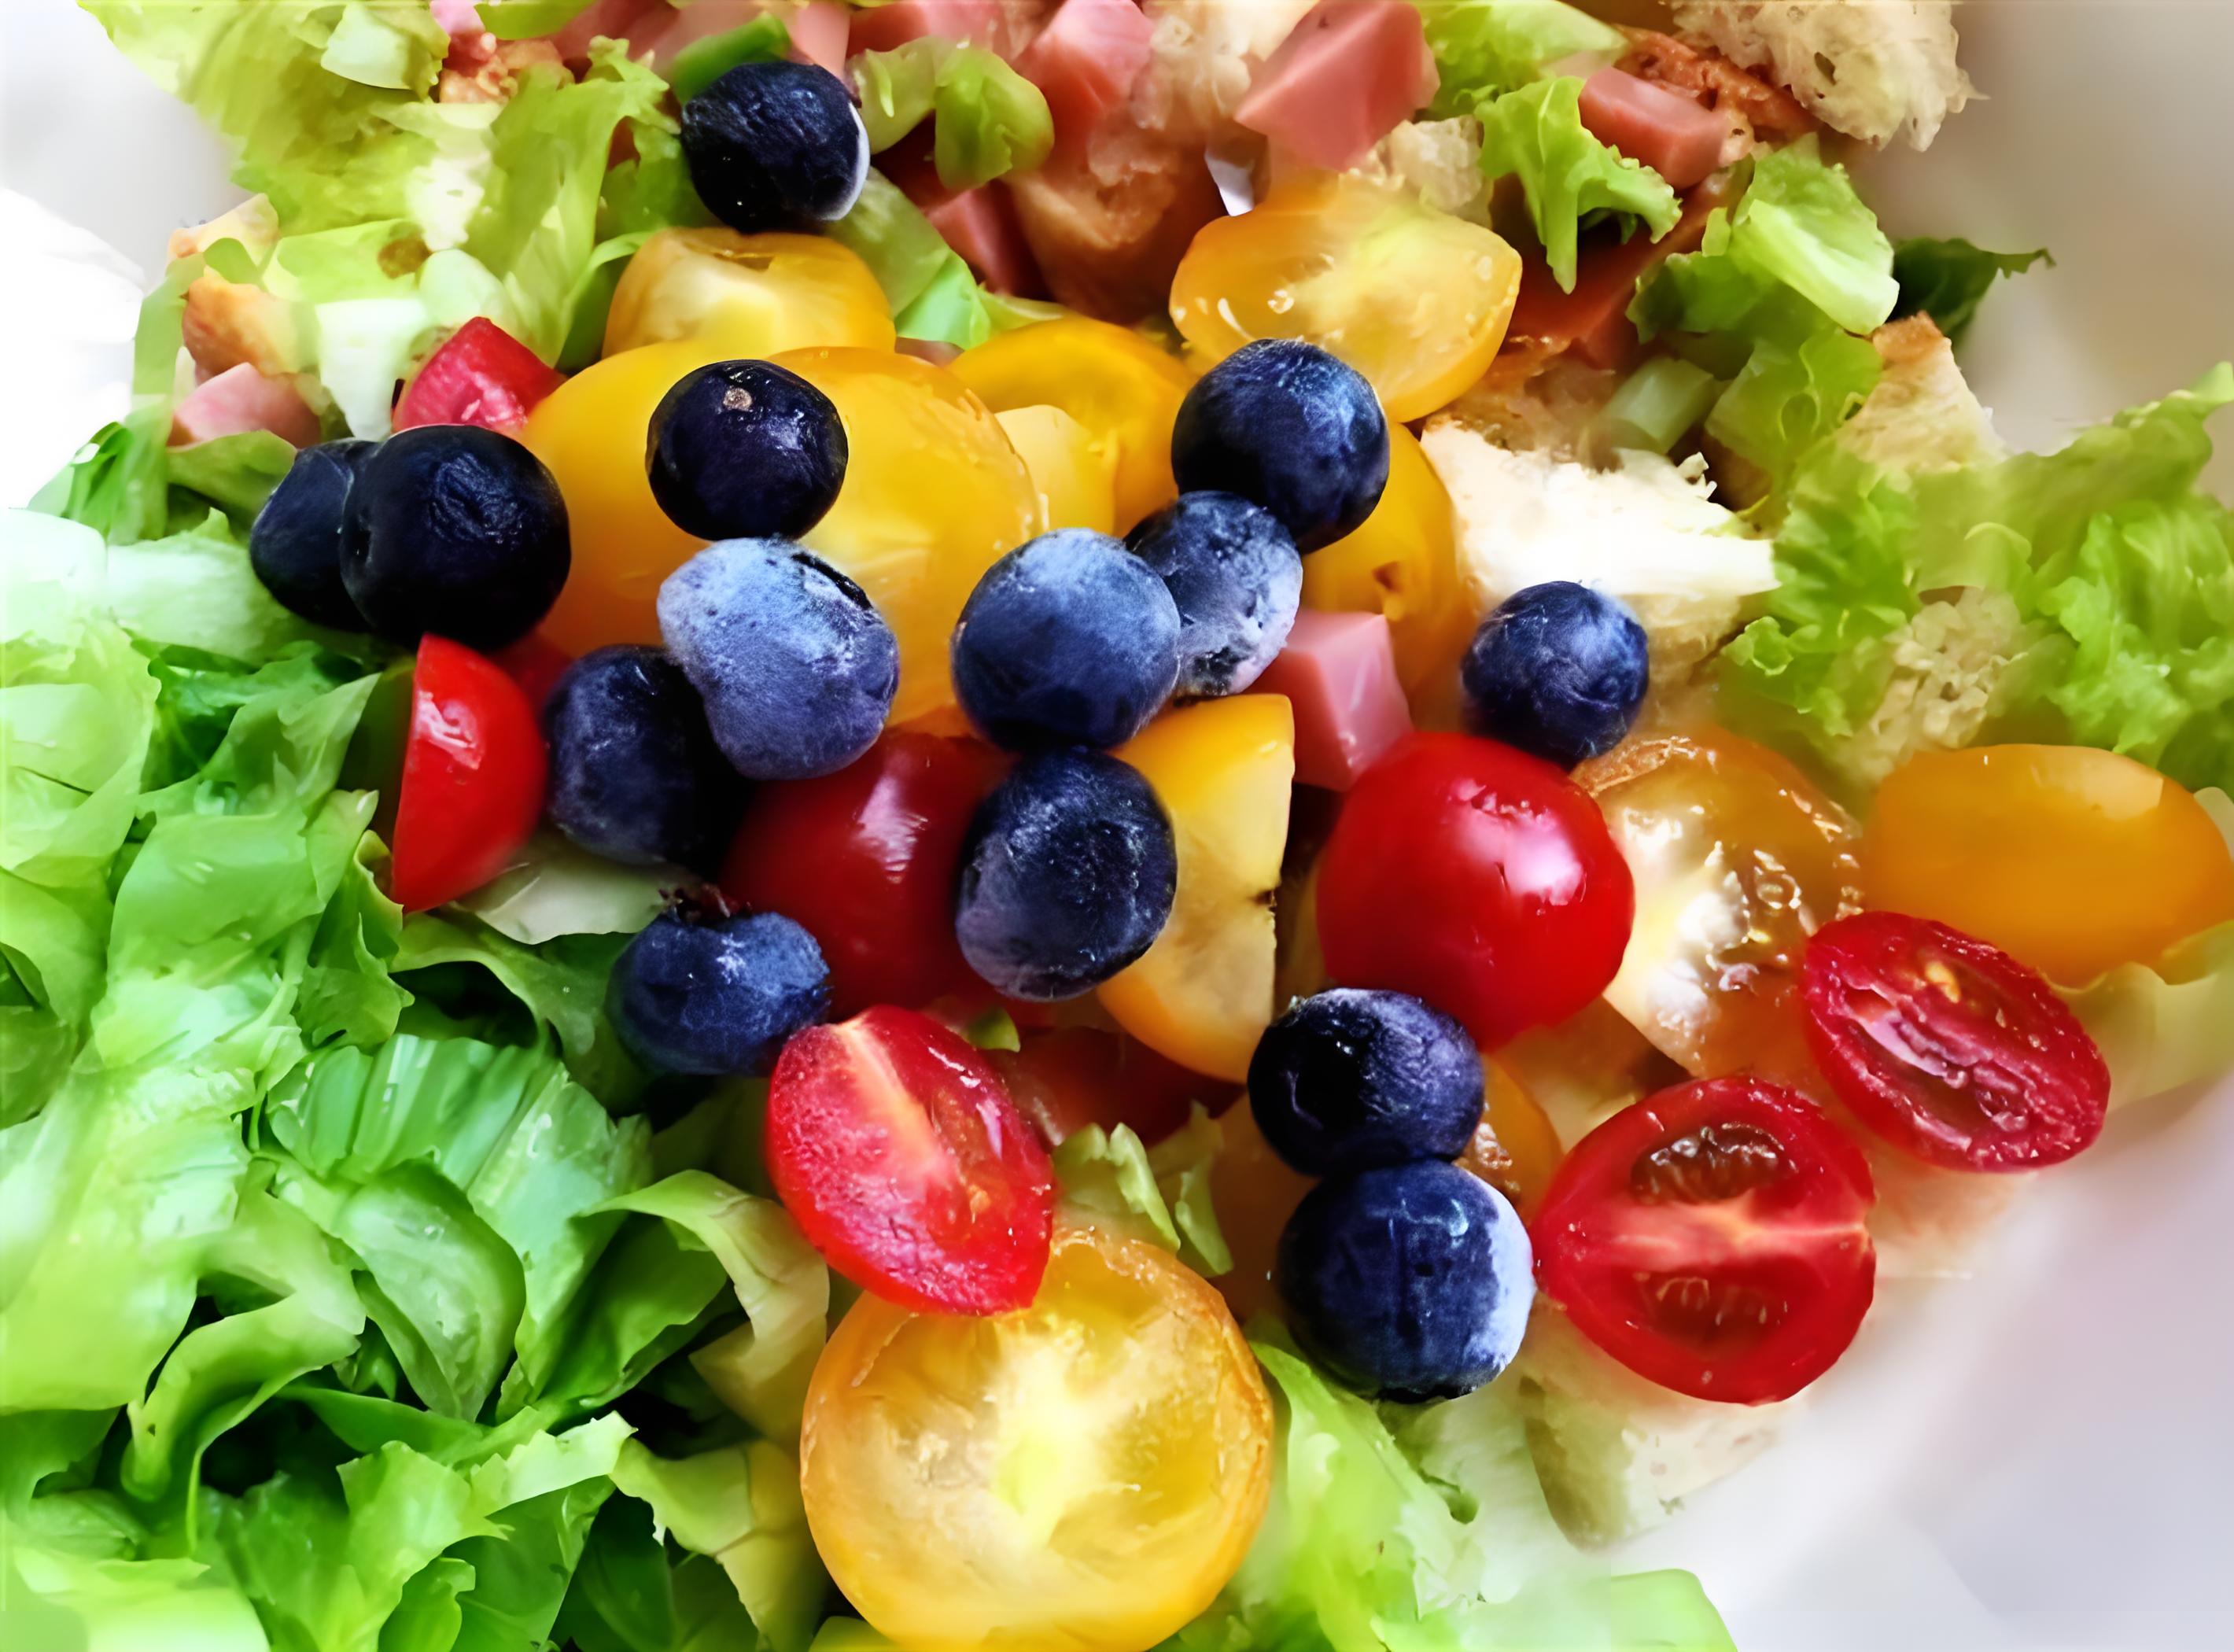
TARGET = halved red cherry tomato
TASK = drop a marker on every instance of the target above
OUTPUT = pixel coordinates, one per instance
(480, 375)
(897, 1148)
(1712, 1238)
(866, 859)
(1949, 1048)
(472, 776)
(1478, 878)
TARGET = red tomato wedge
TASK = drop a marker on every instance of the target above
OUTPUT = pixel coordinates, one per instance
(897, 1148)
(472, 776)
(1948, 1047)
(1712, 1237)
(480, 375)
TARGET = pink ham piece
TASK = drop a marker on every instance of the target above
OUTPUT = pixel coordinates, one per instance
(457, 18)
(818, 29)
(614, 19)
(240, 399)
(1679, 138)
(1086, 60)
(975, 23)
(1339, 675)
(980, 223)
(1350, 72)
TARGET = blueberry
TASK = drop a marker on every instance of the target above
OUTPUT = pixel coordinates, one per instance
(1067, 875)
(454, 529)
(1352, 1079)
(1069, 640)
(745, 450)
(1410, 1282)
(635, 773)
(714, 997)
(795, 665)
(1558, 671)
(1238, 578)
(774, 145)
(296, 545)
(1285, 424)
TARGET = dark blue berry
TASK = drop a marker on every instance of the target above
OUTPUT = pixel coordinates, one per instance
(1068, 876)
(1286, 425)
(635, 773)
(775, 145)
(296, 545)
(745, 450)
(1411, 1282)
(795, 665)
(1070, 640)
(1558, 671)
(455, 529)
(716, 996)
(1351, 1080)
(1238, 578)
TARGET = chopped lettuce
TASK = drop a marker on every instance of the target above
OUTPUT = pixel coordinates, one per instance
(1483, 47)
(987, 119)
(1108, 1178)
(1948, 280)
(698, 65)
(1536, 134)
(932, 294)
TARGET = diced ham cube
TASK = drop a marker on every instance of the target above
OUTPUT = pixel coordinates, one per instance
(614, 19)
(818, 29)
(457, 18)
(1592, 323)
(240, 399)
(1678, 137)
(1339, 675)
(998, 25)
(819, 33)
(981, 225)
(1086, 60)
(1351, 73)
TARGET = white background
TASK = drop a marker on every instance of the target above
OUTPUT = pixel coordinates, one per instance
(2038, 1456)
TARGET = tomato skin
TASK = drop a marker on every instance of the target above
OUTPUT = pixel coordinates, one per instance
(865, 858)
(480, 375)
(1889, 996)
(1478, 878)
(897, 1148)
(472, 776)
(536, 663)
(1784, 1263)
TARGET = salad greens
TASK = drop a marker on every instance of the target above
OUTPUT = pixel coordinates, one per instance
(1484, 47)
(1536, 133)
(1948, 280)
(987, 119)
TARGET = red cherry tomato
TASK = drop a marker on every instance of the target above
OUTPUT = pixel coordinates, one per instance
(472, 776)
(866, 859)
(897, 1148)
(536, 663)
(1066, 1078)
(1712, 1238)
(1478, 878)
(480, 375)
(1948, 1047)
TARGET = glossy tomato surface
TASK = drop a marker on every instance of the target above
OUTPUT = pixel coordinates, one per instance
(480, 375)
(1949, 1048)
(1477, 877)
(866, 859)
(1084, 1474)
(472, 776)
(897, 1148)
(1713, 1238)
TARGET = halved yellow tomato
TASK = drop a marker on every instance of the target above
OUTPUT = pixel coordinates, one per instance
(1202, 995)
(934, 493)
(753, 294)
(1074, 471)
(1083, 1474)
(2072, 859)
(1413, 298)
(1114, 381)
(1402, 563)
(1514, 1147)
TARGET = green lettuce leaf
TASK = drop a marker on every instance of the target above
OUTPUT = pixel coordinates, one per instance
(1536, 134)
(1483, 47)
(698, 65)
(1162, 1195)
(987, 120)
(931, 292)
(1799, 384)
(1948, 280)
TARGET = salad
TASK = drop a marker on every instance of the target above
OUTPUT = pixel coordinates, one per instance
(1044, 823)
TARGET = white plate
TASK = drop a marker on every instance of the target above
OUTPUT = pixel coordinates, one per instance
(2038, 1457)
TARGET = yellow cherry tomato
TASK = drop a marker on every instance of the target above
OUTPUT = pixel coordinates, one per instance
(1402, 563)
(934, 493)
(1255, 1192)
(1411, 298)
(1514, 1147)
(1737, 860)
(1114, 382)
(2071, 859)
(754, 294)
(591, 431)
(1083, 1475)
(1074, 472)
(1224, 770)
